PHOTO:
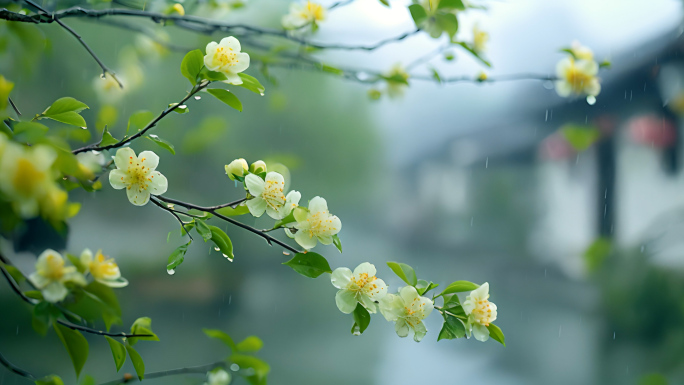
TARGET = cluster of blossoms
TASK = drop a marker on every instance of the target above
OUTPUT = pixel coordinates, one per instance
(28, 181)
(309, 13)
(577, 73)
(266, 194)
(407, 309)
(52, 275)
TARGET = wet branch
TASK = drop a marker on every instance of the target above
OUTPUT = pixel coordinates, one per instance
(213, 210)
(15, 369)
(202, 369)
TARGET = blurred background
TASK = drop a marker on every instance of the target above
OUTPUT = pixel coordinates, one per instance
(583, 251)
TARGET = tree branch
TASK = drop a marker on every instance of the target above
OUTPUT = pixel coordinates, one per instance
(105, 69)
(172, 212)
(15, 369)
(201, 369)
(213, 210)
(168, 110)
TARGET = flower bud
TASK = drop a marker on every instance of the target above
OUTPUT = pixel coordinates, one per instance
(236, 167)
(258, 167)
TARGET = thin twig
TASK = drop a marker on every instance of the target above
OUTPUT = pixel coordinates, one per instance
(105, 69)
(173, 212)
(168, 110)
(213, 210)
(15, 369)
(14, 107)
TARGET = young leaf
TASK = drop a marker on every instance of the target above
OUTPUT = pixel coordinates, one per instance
(222, 336)
(137, 361)
(258, 366)
(75, 344)
(192, 65)
(424, 286)
(250, 344)
(226, 97)
(165, 144)
(337, 242)
(107, 138)
(445, 333)
(418, 14)
(251, 83)
(361, 320)
(177, 257)
(459, 287)
(118, 351)
(448, 23)
(309, 264)
(222, 241)
(142, 325)
(451, 4)
(233, 212)
(203, 230)
(66, 104)
(50, 380)
(455, 326)
(29, 132)
(496, 334)
(404, 271)
(580, 137)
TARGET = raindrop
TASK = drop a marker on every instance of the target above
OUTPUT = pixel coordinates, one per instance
(229, 258)
(103, 76)
(487, 163)
(235, 367)
(544, 273)
(363, 76)
(198, 97)
(613, 335)
(560, 328)
(548, 85)
(217, 249)
(182, 106)
(171, 271)
(642, 248)
(591, 100)
(357, 330)
(261, 93)
(230, 299)
(546, 118)
(17, 330)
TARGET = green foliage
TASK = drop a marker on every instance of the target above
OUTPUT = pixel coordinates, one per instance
(250, 344)
(222, 242)
(451, 5)
(580, 137)
(165, 144)
(309, 264)
(221, 336)
(233, 212)
(137, 361)
(203, 230)
(75, 344)
(258, 366)
(459, 287)
(496, 334)
(597, 253)
(361, 320)
(251, 83)
(336, 241)
(418, 14)
(142, 325)
(118, 352)
(50, 380)
(424, 286)
(226, 97)
(29, 132)
(452, 328)
(192, 65)
(107, 138)
(404, 271)
(65, 110)
(653, 379)
(43, 314)
(177, 257)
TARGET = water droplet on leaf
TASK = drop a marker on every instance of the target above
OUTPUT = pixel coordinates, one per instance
(171, 271)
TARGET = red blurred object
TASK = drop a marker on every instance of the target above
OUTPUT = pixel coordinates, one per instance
(556, 147)
(651, 130)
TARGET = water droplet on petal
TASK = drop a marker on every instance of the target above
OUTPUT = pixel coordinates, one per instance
(171, 271)
(591, 100)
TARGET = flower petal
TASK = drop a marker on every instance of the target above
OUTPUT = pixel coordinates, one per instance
(366, 268)
(117, 179)
(242, 62)
(341, 277)
(232, 78)
(158, 183)
(419, 331)
(86, 258)
(402, 328)
(256, 206)
(255, 185)
(378, 290)
(346, 301)
(480, 332)
(305, 240)
(408, 294)
(123, 157)
(149, 160)
(231, 42)
(367, 303)
(55, 292)
(318, 204)
(138, 196)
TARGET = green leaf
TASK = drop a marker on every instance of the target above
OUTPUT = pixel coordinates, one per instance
(180, 109)
(107, 138)
(259, 367)
(385, 3)
(222, 241)
(459, 287)
(474, 53)
(233, 212)
(212, 75)
(75, 344)
(162, 143)
(50, 380)
(445, 333)
(455, 326)
(203, 230)
(605, 64)
(66, 104)
(451, 5)
(142, 325)
(569, 52)
(43, 314)
(139, 120)
(251, 83)
(177, 257)
(309, 264)
(418, 14)
(29, 132)
(653, 379)
(424, 286)
(404, 271)
(192, 65)
(118, 351)
(448, 23)
(496, 334)
(89, 380)
(71, 118)
(361, 320)
(226, 97)
(250, 344)
(337, 242)
(597, 253)
(580, 137)
(15, 273)
(137, 361)
(34, 294)
(221, 336)
(331, 69)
